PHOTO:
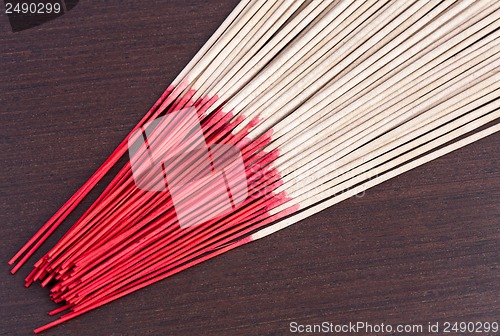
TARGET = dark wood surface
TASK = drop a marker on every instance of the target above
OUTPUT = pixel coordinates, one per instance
(423, 247)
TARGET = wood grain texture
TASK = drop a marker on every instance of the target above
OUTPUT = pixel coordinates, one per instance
(423, 247)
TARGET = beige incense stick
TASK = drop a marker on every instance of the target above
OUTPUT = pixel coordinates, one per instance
(377, 180)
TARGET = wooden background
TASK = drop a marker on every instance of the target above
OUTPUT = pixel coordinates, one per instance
(423, 247)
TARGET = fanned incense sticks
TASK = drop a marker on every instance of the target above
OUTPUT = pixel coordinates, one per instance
(289, 108)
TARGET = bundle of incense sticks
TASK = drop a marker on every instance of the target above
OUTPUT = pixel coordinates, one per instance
(289, 108)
